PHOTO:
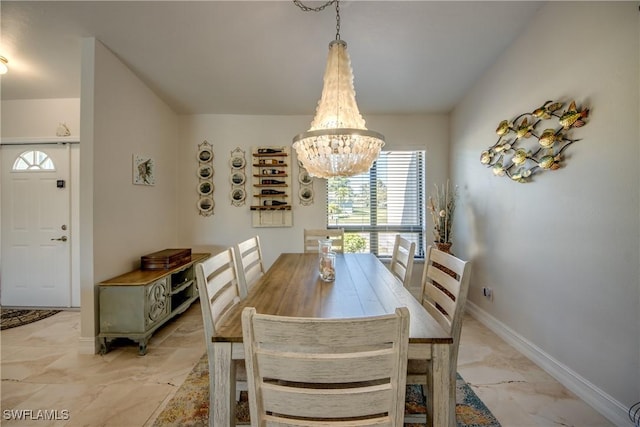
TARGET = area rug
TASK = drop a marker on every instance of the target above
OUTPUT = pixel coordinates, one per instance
(190, 404)
(12, 317)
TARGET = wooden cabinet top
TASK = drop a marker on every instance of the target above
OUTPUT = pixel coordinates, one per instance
(144, 277)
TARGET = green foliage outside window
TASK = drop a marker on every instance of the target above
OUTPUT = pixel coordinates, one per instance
(354, 243)
(373, 207)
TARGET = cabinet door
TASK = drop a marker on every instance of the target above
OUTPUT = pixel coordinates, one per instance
(122, 309)
(157, 297)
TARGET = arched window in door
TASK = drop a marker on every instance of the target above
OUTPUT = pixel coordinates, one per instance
(33, 161)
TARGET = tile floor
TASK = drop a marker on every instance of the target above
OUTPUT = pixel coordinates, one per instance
(41, 370)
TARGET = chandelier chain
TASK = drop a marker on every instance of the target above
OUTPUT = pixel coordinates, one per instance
(338, 142)
(306, 8)
(313, 9)
(338, 20)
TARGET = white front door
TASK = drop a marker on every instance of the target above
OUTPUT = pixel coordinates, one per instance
(36, 232)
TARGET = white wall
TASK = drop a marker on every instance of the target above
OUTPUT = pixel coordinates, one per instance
(229, 224)
(561, 253)
(38, 119)
(120, 221)
(121, 117)
(130, 220)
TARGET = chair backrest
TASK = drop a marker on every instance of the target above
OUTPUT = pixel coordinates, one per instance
(250, 255)
(310, 372)
(311, 238)
(445, 284)
(217, 280)
(402, 260)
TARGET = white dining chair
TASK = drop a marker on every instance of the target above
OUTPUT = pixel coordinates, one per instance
(251, 265)
(401, 265)
(311, 237)
(217, 280)
(445, 285)
(326, 372)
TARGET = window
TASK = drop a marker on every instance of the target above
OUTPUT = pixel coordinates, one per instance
(375, 206)
(33, 161)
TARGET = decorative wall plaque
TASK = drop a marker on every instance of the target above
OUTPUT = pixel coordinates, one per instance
(205, 188)
(305, 194)
(534, 142)
(238, 177)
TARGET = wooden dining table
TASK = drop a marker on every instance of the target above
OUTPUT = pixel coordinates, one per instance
(363, 287)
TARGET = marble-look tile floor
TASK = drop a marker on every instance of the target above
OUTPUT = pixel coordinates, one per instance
(516, 390)
(42, 370)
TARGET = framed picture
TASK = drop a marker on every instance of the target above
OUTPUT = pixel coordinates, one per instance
(304, 177)
(237, 162)
(143, 170)
(205, 154)
(205, 171)
(237, 196)
(306, 196)
(238, 178)
(206, 205)
(205, 188)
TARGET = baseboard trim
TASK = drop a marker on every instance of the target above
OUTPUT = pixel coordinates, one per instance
(88, 345)
(602, 402)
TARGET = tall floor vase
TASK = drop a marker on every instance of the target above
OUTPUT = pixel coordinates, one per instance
(444, 247)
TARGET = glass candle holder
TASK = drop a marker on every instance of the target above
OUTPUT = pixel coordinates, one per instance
(328, 266)
(324, 246)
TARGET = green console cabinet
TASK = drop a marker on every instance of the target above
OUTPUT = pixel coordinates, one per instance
(134, 305)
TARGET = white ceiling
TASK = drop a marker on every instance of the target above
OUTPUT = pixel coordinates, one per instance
(263, 57)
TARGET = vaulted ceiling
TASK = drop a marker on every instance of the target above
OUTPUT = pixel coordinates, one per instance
(263, 57)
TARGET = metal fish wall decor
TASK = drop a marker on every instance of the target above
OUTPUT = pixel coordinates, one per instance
(523, 149)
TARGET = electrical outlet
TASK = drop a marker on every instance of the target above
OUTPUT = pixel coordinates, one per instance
(488, 293)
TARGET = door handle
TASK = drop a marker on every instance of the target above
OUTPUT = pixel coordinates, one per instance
(62, 239)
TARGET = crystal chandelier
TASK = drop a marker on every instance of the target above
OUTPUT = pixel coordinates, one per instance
(338, 143)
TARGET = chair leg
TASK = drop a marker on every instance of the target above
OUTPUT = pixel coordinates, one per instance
(240, 387)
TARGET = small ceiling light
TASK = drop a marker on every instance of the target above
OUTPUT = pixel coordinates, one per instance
(3, 65)
(338, 143)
